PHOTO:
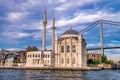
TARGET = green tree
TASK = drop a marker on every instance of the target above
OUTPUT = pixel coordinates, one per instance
(32, 48)
(90, 61)
(109, 62)
(96, 61)
(104, 59)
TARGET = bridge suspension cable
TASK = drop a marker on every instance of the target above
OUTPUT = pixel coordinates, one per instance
(100, 23)
(97, 22)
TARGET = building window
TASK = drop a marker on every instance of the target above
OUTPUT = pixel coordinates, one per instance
(30, 56)
(43, 56)
(48, 61)
(38, 55)
(68, 61)
(62, 49)
(33, 55)
(48, 55)
(62, 60)
(68, 48)
(73, 48)
(73, 60)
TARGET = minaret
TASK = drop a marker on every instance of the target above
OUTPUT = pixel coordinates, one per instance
(53, 35)
(53, 43)
(44, 31)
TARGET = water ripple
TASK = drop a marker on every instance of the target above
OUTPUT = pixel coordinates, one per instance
(59, 75)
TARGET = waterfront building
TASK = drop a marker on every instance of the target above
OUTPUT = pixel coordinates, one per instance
(23, 57)
(12, 57)
(94, 56)
(9, 58)
(37, 58)
(68, 50)
(2, 54)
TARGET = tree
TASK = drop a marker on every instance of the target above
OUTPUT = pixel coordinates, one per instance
(32, 48)
(96, 61)
(104, 59)
(109, 62)
(90, 61)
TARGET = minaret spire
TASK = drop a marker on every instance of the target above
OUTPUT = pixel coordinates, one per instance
(44, 30)
(53, 42)
(53, 34)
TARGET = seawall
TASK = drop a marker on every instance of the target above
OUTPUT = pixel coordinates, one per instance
(52, 68)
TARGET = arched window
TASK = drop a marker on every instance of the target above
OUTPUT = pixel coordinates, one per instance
(68, 60)
(73, 60)
(38, 55)
(73, 48)
(48, 55)
(68, 48)
(28, 56)
(33, 55)
(62, 60)
(62, 49)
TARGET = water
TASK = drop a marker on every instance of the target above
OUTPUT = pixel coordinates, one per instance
(59, 75)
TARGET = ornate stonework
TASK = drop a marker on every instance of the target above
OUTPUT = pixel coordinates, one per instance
(69, 50)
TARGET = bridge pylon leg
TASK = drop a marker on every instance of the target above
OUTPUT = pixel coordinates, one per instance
(101, 38)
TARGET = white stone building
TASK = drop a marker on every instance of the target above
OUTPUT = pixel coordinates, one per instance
(68, 50)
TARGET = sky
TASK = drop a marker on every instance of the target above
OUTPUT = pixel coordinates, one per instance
(21, 22)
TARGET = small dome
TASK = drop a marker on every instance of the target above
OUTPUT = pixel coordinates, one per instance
(10, 55)
(70, 32)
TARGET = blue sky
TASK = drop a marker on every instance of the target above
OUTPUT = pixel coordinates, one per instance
(21, 21)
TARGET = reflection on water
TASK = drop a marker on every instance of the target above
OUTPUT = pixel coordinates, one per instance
(59, 75)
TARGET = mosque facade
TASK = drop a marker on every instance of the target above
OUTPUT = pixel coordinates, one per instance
(68, 50)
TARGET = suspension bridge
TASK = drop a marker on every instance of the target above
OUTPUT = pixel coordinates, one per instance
(100, 24)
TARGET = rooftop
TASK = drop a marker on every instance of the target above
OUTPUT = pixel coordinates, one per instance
(71, 31)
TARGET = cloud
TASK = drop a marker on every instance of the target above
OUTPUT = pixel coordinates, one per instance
(12, 49)
(114, 41)
(80, 18)
(73, 4)
(25, 17)
(85, 17)
(62, 1)
(16, 16)
(113, 56)
(30, 4)
(15, 35)
(93, 45)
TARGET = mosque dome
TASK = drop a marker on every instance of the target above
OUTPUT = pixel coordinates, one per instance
(10, 55)
(71, 31)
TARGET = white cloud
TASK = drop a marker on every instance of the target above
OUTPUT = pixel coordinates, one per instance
(48, 47)
(62, 1)
(30, 4)
(113, 56)
(80, 18)
(72, 4)
(84, 17)
(110, 44)
(16, 16)
(12, 49)
(36, 35)
(93, 45)
(15, 35)
(114, 41)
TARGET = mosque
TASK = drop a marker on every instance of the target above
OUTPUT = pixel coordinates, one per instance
(68, 50)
